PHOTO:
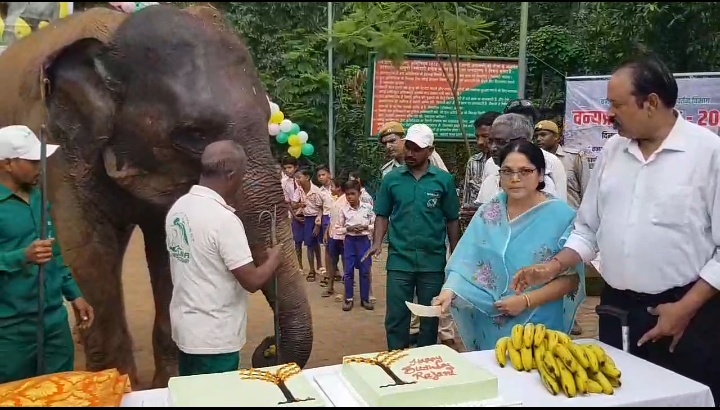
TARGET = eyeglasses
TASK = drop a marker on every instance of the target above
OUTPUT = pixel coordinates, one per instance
(509, 173)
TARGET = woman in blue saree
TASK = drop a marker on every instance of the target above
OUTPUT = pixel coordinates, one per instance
(520, 227)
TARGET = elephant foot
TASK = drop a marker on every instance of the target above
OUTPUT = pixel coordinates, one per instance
(161, 378)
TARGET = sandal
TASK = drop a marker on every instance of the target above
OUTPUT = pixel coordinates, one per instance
(324, 282)
(311, 277)
(327, 293)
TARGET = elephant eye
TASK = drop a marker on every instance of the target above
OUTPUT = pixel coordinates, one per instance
(191, 140)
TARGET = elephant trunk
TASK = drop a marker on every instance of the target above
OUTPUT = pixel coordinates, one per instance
(294, 316)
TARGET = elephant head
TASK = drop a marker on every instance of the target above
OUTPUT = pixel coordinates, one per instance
(139, 107)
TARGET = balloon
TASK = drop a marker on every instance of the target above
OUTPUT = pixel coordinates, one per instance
(294, 141)
(274, 108)
(307, 149)
(295, 151)
(303, 137)
(273, 129)
(282, 138)
(277, 118)
(295, 129)
(286, 126)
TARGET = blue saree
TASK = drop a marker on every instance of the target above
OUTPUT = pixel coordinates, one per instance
(490, 252)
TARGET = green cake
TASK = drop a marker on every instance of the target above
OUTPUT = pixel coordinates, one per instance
(277, 386)
(421, 377)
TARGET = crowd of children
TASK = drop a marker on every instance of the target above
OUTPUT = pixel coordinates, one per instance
(337, 216)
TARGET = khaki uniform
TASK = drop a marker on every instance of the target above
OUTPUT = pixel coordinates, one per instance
(578, 166)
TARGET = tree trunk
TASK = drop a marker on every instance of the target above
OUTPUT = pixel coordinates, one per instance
(393, 376)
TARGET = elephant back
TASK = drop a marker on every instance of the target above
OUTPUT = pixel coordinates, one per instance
(20, 63)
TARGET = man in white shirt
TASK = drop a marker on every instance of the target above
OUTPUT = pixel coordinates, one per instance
(652, 208)
(211, 266)
(511, 127)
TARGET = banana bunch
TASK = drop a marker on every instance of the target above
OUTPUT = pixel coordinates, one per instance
(563, 366)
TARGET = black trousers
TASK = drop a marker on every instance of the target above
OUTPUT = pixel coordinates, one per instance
(697, 355)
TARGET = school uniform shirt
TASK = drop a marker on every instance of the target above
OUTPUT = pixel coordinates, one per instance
(327, 200)
(555, 179)
(289, 186)
(655, 221)
(362, 215)
(313, 200)
(206, 241)
(338, 204)
(366, 198)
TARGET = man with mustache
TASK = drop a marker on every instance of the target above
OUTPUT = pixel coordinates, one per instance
(652, 208)
(420, 205)
(21, 255)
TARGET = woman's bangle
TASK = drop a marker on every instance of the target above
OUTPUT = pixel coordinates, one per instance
(527, 299)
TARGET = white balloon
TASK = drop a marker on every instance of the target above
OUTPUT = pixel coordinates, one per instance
(273, 129)
(274, 108)
(303, 136)
(286, 126)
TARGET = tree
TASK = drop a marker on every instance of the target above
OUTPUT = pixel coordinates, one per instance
(384, 360)
(279, 379)
(393, 29)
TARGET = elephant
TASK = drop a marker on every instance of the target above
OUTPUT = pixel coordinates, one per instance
(132, 101)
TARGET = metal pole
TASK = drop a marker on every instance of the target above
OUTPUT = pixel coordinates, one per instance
(331, 116)
(41, 270)
(522, 55)
(276, 284)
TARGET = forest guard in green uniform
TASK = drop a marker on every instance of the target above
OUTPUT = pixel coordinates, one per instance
(422, 202)
(21, 254)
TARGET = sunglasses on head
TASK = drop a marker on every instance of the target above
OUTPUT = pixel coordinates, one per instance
(518, 103)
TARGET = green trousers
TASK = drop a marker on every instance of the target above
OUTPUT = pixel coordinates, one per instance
(19, 348)
(401, 287)
(194, 364)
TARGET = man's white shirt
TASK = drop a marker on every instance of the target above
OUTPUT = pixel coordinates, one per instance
(656, 221)
(555, 179)
(206, 241)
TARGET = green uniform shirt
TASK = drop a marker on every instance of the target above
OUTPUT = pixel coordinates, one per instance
(19, 227)
(419, 211)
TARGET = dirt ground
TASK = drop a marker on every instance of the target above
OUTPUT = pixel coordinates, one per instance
(331, 324)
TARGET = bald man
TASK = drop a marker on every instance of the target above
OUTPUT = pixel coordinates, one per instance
(211, 266)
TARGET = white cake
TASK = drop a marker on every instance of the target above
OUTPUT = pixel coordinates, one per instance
(421, 377)
(277, 386)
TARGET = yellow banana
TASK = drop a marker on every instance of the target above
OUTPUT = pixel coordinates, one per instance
(538, 355)
(604, 382)
(549, 381)
(501, 351)
(565, 356)
(609, 360)
(529, 335)
(579, 354)
(552, 339)
(580, 384)
(516, 336)
(515, 358)
(539, 335)
(592, 359)
(563, 338)
(616, 383)
(594, 387)
(527, 358)
(551, 364)
(567, 382)
(599, 352)
(610, 371)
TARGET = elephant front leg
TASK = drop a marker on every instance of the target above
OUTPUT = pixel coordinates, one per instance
(96, 264)
(164, 348)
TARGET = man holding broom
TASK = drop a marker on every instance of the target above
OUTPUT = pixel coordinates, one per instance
(22, 252)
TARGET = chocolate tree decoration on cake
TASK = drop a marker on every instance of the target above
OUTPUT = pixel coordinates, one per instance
(278, 378)
(383, 360)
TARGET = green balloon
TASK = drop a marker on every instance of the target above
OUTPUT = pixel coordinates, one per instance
(294, 130)
(308, 149)
(282, 138)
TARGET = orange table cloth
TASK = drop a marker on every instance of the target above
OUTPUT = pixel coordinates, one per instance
(70, 389)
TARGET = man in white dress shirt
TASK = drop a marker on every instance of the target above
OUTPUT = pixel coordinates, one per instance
(507, 128)
(652, 208)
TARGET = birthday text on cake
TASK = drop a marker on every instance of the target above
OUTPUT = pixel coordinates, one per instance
(429, 368)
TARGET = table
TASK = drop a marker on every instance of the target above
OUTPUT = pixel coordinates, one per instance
(644, 385)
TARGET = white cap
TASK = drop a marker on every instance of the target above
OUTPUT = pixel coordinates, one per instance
(421, 135)
(19, 142)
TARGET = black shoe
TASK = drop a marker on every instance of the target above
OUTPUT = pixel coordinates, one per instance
(348, 305)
